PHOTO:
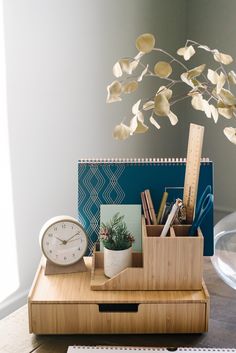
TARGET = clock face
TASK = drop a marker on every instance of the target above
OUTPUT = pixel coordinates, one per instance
(63, 241)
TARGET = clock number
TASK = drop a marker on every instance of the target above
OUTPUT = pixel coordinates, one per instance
(63, 241)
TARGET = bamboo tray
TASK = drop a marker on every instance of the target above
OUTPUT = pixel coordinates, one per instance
(65, 304)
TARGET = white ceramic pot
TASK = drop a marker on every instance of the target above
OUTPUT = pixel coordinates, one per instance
(116, 261)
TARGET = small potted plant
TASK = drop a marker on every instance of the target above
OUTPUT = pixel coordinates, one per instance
(117, 242)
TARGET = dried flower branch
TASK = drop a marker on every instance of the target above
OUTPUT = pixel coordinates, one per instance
(207, 89)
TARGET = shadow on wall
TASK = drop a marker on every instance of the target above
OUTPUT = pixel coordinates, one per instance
(59, 60)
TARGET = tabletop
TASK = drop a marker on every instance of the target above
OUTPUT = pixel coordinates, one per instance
(15, 337)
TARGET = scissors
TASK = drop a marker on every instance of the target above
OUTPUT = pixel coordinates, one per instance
(204, 206)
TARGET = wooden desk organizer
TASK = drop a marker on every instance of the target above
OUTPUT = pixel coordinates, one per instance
(174, 262)
(65, 304)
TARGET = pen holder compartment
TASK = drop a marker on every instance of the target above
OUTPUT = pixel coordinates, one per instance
(182, 230)
(155, 231)
(174, 262)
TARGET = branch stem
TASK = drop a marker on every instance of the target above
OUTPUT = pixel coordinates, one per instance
(179, 100)
(191, 41)
(172, 57)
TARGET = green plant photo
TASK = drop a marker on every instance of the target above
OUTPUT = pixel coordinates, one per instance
(115, 235)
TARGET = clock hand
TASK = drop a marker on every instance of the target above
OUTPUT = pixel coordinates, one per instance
(64, 242)
(72, 237)
(61, 240)
(70, 241)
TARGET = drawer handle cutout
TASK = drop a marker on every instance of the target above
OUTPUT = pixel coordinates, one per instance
(118, 308)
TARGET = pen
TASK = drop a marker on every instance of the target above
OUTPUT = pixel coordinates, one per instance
(171, 217)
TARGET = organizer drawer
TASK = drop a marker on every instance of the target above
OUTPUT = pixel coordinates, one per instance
(65, 304)
(62, 318)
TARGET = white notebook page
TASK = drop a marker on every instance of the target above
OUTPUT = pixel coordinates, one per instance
(107, 349)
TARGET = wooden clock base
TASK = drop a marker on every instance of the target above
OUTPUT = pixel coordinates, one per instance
(53, 269)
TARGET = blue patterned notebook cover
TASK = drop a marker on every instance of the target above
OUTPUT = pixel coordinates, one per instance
(122, 181)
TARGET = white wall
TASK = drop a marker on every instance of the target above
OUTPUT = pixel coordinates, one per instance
(59, 57)
(212, 22)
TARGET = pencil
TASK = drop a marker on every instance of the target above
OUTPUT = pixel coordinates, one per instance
(162, 205)
(150, 206)
(145, 209)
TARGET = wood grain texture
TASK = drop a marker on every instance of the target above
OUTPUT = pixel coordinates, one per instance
(15, 338)
(195, 142)
(150, 318)
(66, 304)
(174, 262)
(75, 287)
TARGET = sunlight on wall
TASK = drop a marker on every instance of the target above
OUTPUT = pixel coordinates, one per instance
(8, 259)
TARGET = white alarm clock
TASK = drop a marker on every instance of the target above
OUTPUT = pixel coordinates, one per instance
(63, 240)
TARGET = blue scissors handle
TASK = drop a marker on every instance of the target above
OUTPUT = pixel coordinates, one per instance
(203, 207)
(202, 200)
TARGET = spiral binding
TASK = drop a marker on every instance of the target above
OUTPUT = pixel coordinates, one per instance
(153, 349)
(137, 161)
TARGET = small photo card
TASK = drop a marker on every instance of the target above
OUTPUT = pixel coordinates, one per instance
(132, 218)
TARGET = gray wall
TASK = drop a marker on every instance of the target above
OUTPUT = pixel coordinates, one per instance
(59, 57)
(212, 22)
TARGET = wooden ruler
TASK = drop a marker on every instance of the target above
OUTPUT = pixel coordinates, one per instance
(195, 141)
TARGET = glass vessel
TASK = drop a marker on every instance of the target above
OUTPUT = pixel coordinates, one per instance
(224, 259)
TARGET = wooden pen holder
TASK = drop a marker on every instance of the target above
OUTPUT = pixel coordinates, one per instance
(174, 262)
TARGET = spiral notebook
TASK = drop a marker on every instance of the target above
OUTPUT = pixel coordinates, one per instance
(107, 349)
(121, 181)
